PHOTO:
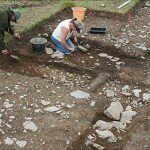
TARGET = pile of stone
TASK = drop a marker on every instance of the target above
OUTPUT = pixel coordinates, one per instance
(120, 118)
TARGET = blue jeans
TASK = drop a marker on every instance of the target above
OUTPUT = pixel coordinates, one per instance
(60, 47)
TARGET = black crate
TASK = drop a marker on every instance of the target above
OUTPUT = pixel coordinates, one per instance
(97, 30)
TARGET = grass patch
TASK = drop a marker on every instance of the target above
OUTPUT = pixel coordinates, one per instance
(107, 5)
(34, 15)
(31, 16)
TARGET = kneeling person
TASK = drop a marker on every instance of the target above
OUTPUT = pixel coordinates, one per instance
(6, 16)
(61, 35)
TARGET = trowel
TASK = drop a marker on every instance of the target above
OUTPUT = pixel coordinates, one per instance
(81, 48)
(13, 56)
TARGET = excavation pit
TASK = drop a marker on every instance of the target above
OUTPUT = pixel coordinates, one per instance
(54, 81)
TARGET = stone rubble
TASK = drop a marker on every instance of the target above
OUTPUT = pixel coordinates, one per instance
(110, 93)
(102, 128)
(44, 102)
(7, 105)
(137, 92)
(146, 97)
(21, 144)
(29, 125)
(49, 51)
(8, 141)
(52, 109)
(92, 103)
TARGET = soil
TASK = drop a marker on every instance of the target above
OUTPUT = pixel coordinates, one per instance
(25, 82)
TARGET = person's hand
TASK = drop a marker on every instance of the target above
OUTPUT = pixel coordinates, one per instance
(71, 49)
(5, 52)
(16, 35)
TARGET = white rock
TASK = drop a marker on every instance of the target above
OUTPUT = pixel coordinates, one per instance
(110, 93)
(96, 64)
(103, 5)
(140, 46)
(119, 63)
(43, 102)
(102, 55)
(102, 125)
(69, 106)
(15, 57)
(80, 94)
(126, 94)
(29, 125)
(106, 134)
(92, 103)
(126, 116)
(22, 96)
(8, 125)
(7, 105)
(87, 46)
(119, 125)
(12, 117)
(114, 111)
(52, 109)
(37, 110)
(147, 4)
(21, 143)
(109, 57)
(67, 142)
(125, 88)
(45, 75)
(49, 51)
(8, 141)
(137, 92)
(146, 97)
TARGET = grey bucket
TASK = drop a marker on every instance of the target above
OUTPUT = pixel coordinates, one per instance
(38, 45)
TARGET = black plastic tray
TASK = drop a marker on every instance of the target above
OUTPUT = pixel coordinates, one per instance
(97, 30)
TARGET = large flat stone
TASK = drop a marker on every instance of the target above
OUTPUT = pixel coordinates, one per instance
(126, 116)
(114, 111)
(80, 94)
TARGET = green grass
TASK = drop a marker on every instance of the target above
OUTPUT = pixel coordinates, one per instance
(34, 15)
(110, 5)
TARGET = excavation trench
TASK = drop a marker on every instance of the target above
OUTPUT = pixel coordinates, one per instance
(100, 64)
(103, 63)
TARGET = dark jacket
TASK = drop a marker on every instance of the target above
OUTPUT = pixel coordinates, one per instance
(5, 24)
